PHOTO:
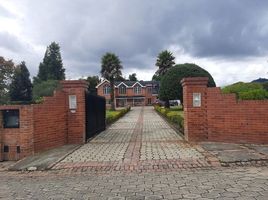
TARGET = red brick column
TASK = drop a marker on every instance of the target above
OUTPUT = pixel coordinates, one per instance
(195, 118)
(76, 122)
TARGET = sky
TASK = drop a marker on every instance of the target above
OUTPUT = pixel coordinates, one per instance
(228, 38)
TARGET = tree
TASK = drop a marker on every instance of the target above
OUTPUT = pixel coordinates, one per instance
(165, 60)
(7, 68)
(51, 68)
(119, 78)
(170, 86)
(110, 69)
(247, 91)
(132, 77)
(21, 86)
(93, 81)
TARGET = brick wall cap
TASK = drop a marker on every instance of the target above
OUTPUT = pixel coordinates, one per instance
(195, 81)
(74, 84)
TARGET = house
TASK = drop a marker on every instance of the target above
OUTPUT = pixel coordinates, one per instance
(133, 93)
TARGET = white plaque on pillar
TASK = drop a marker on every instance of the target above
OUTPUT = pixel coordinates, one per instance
(196, 99)
(72, 102)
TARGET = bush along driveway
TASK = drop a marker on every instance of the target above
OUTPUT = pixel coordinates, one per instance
(174, 115)
(112, 116)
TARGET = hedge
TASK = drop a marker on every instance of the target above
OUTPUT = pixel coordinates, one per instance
(173, 115)
(112, 116)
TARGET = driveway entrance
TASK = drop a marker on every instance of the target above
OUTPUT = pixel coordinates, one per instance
(140, 141)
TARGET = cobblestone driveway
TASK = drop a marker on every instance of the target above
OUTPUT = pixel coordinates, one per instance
(219, 183)
(142, 141)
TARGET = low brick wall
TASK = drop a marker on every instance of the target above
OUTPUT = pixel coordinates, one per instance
(47, 125)
(221, 117)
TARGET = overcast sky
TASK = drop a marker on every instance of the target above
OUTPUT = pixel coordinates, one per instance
(229, 38)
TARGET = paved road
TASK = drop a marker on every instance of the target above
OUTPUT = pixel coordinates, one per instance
(140, 141)
(201, 184)
(138, 157)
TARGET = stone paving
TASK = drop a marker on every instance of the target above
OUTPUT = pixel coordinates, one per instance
(139, 157)
(140, 141)
(239, 183)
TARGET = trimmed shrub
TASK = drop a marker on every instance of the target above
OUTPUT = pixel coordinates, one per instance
(112, 116)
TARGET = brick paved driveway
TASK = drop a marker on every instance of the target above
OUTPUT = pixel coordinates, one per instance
(140, 141)
(138, 157)
(219, 183)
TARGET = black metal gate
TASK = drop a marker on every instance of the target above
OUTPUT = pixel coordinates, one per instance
(95, 114)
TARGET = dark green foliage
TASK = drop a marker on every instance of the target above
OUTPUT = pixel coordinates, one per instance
(170, 86)
(21, 86)
(111, 69)
(258, 94)
(93, 81)
(45, 88)
(247, 91)
(51, 68)
(165, 60)
(119, 78)
(132, 77)
(112, 116)
(265, 86)
(156, 77)
(7, 69)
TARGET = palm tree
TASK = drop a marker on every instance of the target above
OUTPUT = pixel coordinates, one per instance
(165, 60)
(110, 70)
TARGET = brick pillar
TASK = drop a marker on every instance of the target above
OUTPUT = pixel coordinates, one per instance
(195, 117)
(76, 122)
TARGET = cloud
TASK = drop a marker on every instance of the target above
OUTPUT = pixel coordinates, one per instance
(217, 33)
(4, 12)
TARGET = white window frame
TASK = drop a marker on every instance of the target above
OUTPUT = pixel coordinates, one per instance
(106, 89)
(122, 89)
(137, 90)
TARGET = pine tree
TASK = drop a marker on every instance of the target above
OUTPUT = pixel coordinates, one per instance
(7, 68)
(21, 86)
(52, 67)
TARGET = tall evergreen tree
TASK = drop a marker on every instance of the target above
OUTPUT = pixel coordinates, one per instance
(132, 77)
(52, 67)
(110, 70)
(165, 60)
(21, 86)
(7, 68)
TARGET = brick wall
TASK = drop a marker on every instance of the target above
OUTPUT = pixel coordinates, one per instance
(47, 125)
(50, 122)
(221, 117)
(21, 137)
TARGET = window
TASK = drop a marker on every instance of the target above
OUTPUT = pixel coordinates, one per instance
(106, 89)
(137, 90)
(11, 118)
(6, 149)
(122, 90)
(149, 90)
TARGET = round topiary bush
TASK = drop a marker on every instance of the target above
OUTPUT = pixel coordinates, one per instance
(170, 86)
